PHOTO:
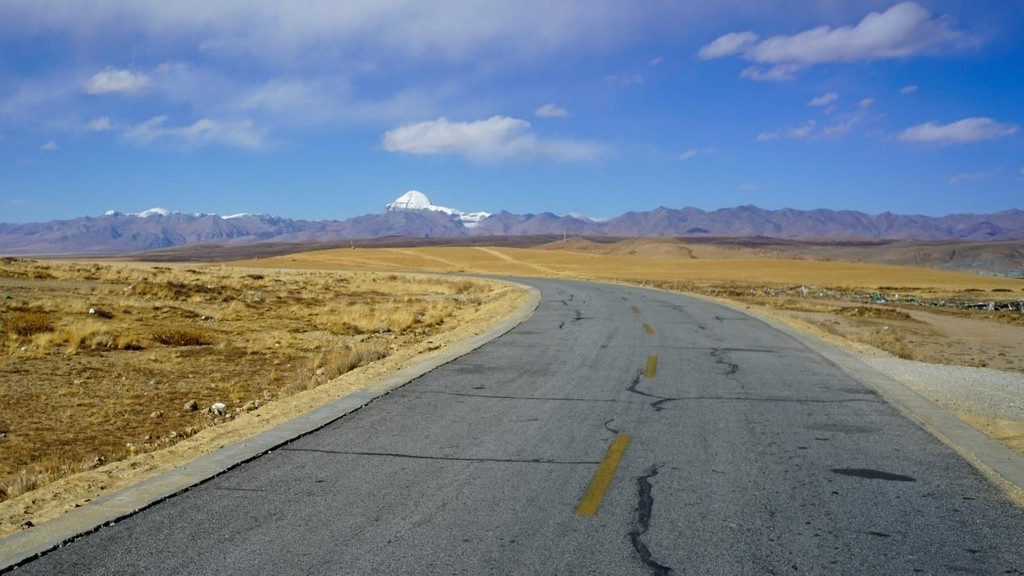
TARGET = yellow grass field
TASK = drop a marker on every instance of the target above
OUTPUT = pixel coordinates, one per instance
(680, 268)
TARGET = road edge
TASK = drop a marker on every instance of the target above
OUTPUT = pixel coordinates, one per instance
(996, 462)
(21, 547)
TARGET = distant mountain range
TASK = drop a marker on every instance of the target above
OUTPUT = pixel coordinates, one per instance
(413, 215)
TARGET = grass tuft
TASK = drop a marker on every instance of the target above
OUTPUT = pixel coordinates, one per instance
(28, 324)
(185, 336)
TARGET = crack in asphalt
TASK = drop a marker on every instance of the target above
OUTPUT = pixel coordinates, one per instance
(644, 512)
(659, 400)
(609, 428)
(535, 398)
(441, 458)
(731, 368)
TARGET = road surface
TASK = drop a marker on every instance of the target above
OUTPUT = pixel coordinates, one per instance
(617, 431)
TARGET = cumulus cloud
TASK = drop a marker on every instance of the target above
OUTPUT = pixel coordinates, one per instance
(908, 89)
(243, 134)
(904, 30)
(112, 81)
(551, 111)
(101, 124)
(496, 138)
(824, 99)
(959, 132)
(688, 154)
(50, 146)
(801, 132)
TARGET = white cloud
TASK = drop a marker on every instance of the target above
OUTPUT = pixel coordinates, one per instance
(969, 176)
(908, 89)
(550, 111)
(801, 132)
(728, 45)
(100, 124)
(904, 30)
(777, 73)
(656, 61)
(688, 154)
(959, 132)
(866, 103)
(50, 146)
(824, 99)
(623, 80)
(746, 187)
(243, 134)
(112, 81)
(270, 29)
(497, 138)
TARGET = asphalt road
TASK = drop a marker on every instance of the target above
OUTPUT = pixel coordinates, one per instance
(742, 452)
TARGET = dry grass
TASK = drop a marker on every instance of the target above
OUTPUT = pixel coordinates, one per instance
(27, 324)
(183, 336)
(98, 361)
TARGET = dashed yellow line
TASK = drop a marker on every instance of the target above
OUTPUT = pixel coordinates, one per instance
(603, 477)
(652, 367)
(649, 329)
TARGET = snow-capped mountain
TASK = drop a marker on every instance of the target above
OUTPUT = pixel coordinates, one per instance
(157, 211)
(416, 200)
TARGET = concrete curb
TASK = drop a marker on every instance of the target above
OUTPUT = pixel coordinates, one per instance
(999, 464)
(19, 547)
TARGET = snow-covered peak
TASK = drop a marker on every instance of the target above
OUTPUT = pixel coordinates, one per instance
(153, 212)
(412, 200)
(416, 200)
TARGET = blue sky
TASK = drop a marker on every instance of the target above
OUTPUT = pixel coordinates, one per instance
(315, 110)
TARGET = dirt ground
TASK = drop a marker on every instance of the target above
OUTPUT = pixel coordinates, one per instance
(84, 411)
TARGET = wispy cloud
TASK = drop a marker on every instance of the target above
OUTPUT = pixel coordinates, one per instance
(960, 132)
(908, 89)
(101, 124)
(746, 187)
(113, 81)
(970, 176)
(496, 138)
(624, 80)
(550, 111)
(656, 61)
(243, 134)
(824, 99)
(688, 154)
(904, 30)
(50, 146)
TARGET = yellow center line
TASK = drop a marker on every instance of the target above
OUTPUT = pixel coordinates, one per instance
(652, 367)
(603, 477)
(649, 329)
(635, 310)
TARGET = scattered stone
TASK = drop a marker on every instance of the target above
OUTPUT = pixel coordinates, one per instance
(172, 435)
(27, 524)
(147, 437)
(205, 318)
(191, 406)
(156, 414)
(384, 329)
(319, 371)
(190, 430)
(97, 462)
(219, 408)
(79, 381)
(154, 382)
(249, 407)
